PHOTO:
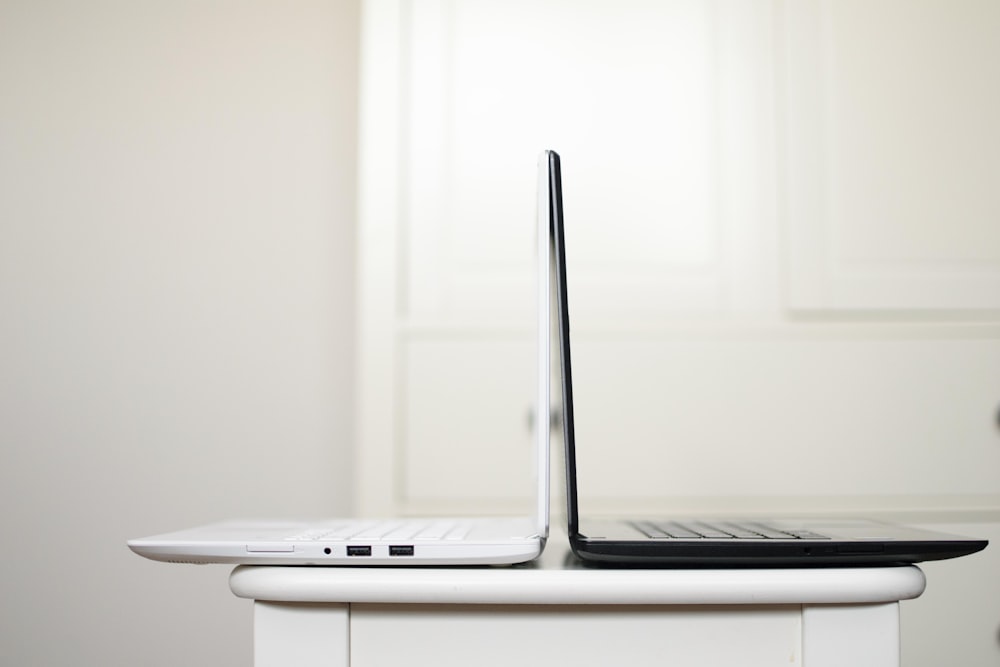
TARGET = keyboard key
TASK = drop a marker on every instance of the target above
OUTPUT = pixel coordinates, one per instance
(436, 530)
(727, 530)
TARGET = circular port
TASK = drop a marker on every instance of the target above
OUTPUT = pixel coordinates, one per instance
(327, 551)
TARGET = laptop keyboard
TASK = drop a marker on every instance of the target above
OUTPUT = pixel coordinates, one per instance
(375, 531)
(724, 530)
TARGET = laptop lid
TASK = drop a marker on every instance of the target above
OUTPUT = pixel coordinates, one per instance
(777, 542)
(543, 341)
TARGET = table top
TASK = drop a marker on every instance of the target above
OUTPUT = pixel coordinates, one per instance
(559, 578)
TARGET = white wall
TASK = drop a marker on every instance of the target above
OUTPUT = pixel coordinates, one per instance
(176, 307)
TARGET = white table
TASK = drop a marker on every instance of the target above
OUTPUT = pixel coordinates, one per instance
(558, 612)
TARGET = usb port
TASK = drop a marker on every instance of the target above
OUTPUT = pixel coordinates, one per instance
(401, 550)
(359, 551)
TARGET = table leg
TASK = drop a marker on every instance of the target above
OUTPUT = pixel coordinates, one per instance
(857, 635)
(289, 633)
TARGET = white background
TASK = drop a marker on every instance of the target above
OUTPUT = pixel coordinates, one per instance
(176, 308)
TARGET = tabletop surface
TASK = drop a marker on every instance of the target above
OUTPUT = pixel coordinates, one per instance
(559, 578)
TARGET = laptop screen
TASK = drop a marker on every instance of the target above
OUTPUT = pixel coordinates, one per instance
(562, 303)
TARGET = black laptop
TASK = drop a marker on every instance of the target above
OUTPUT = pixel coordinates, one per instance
(697, 542)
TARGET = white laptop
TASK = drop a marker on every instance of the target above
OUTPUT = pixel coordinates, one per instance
(429, 541)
